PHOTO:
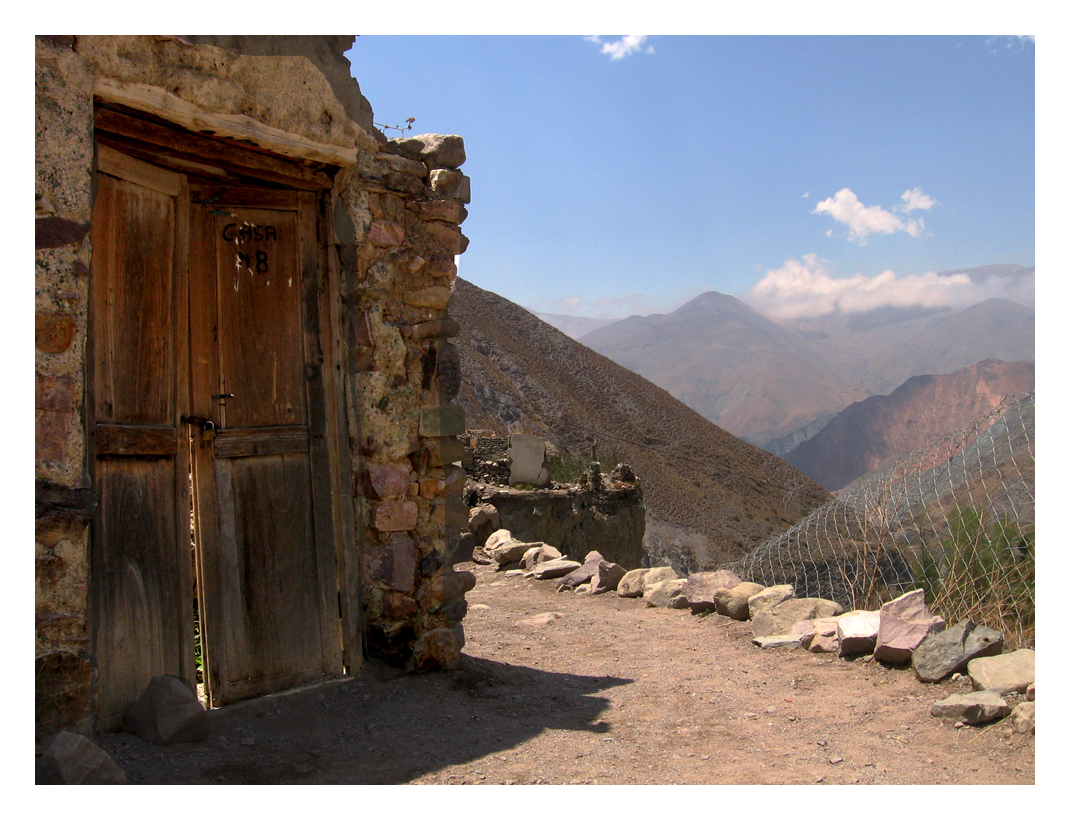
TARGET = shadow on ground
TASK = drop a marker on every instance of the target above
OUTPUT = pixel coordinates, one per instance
(380, 728)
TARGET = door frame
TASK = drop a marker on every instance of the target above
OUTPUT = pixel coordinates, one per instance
(156, 144)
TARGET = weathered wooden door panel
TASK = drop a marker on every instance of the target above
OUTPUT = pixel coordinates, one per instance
(141, 575)
(267, 543)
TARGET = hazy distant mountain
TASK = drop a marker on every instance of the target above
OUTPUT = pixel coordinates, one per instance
(773, 382)
(709, 495)
(866, 434)
(890, 345)
(743, 371)
(574, 326)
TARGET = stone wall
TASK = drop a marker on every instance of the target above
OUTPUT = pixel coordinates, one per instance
(603, 515)
(397, 209)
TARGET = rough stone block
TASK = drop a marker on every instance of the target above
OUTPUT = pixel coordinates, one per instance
(667, 594)
(905, 623)
(436, 297)
(53, 331)
(769, 597)
(607, 576)
(702, 588)
(777, 620)
(395, 515)
(392, 565)
(167, 712)
(62, 691)
(733, 602)
(74, 759)
(55, 232)
(527, 454)
(438, 649)
(389, 480)
(1023, 718)
(772, 642)
(554, 569)
(1007, 673)
(857, 632)
(949, 651)
(539, 554)
(385, 234)
(979, 707)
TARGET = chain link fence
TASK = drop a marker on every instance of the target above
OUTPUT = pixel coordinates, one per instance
(955, 518)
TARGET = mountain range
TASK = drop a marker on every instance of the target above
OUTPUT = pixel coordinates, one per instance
(867, 434)
(776, 383)
(710, 496)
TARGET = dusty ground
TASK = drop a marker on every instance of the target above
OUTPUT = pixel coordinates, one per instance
(612, 692)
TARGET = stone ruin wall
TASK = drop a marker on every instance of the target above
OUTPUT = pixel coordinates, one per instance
(398, 207)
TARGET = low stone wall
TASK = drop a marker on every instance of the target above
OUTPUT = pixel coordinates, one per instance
(573, 518)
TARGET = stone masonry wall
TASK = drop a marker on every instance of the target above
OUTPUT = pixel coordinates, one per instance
(398, 208)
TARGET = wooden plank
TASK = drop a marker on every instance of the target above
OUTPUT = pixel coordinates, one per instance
(320, 462)
(259, 292)
(172, 146)
(221, 197)
(347, 557)
(204, 382)
(125, 167)
(182, 478)
(237, 442)
(138, 627)
(133, 299)
(174, 109)
(126, 440)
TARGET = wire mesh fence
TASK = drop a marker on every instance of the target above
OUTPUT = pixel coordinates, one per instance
(955, 518)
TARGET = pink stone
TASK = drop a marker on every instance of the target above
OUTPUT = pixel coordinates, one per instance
(857, 632)
(385, 233)
(388, 480)
(392, 565)
(905, 623)
(395, 515)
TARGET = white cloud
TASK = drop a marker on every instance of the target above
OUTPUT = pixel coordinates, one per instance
(805, 288)
(863, 220)
(915, 200)
(628, 44)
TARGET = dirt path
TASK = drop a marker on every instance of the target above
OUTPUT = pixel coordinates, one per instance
(611, 692)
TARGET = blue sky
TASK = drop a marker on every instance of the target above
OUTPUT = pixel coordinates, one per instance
(613, 176)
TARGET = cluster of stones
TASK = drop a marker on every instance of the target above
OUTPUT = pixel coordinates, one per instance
(902, 632)
(601, 512)
(406, 211)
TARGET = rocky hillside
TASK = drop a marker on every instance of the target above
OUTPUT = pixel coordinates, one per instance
(866, 434)
(709, 496)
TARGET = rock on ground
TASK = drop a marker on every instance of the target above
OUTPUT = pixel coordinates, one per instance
(905, 623)
(857, 632)
(74, 759)
(1022, 718)
(667, 594)
(949, 651)
(979, 707)
(554, 569)
(701, 588)
(733, 602)
(167, 712)
(769, 597)
(779, 619)
(635, 582)
(1008, 673)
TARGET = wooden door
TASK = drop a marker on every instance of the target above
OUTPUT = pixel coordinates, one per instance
(139, 456)
(266, 484)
